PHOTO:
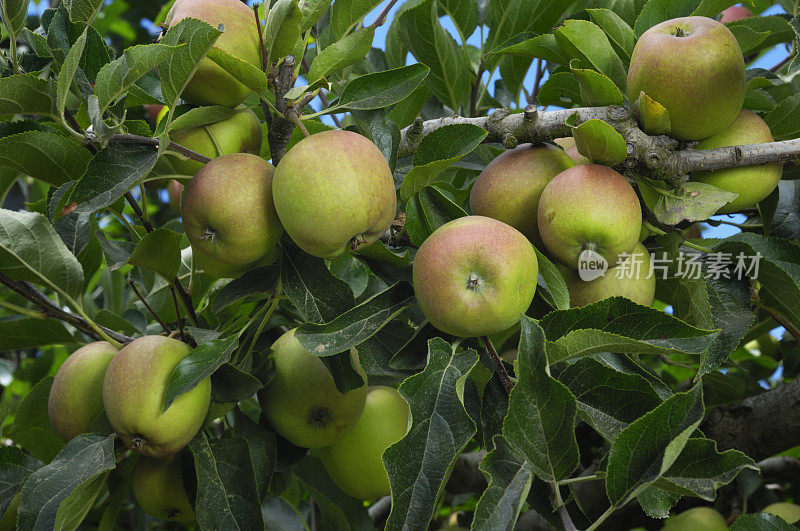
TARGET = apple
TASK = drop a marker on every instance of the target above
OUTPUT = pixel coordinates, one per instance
(694, 67)
(475, 276)
(134, 391)
(752, 183)
(76, 397)
(241, 133)
(571, 149)
(229, 216)
(211, 85)
(334, 193)
(355, 463)
(158, 488)
(589, 207)
(174, 191)
(509, 188)
(9, 520)
(735, 13)
(632, 282)
(302, 402)
(697, 519)
(788, 511)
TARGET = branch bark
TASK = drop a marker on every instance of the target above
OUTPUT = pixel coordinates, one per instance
(280, 127)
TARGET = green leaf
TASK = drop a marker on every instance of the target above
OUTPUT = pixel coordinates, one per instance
(596, 89)
(711, 8)
(465, 15)
(198, 365)
(649, 446)
(531, 45)
(250, 76)
(439, 150)
(509, 477)
(428, 211)
(345, 14)
(508, 18)
(761, 522)
(730, 307)
(32, 429)
(600, 142)
(82, 10)
(694, 201)
(777, 28)
(560, 89)
(263, 449)
(51, 158)
(15, 467)
(420, 462)
(653, 117)
(585, 41)
(159, 251)
(619, 32)
(74, 509)
(257, 282)
(339, 511)
(355, 326)
(27, 94)
(31, 333)
(658, 11)
(312, 10)
(552, 286)
(67, 73)
(282, 29)
(784, 120)
(14, 14)
(381, 89)
(350, 49)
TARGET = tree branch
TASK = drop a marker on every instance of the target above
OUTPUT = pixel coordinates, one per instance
(177, 148)
(280, 127)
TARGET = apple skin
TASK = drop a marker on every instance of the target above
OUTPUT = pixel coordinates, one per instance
(788, 511)
(589, 206)
(699, 77)
(302, 402)
(334, 192)
(697, 519)
(752, 183)
(509, 188)
(475, 276)
(134, 390)
(639, 289)
(570, 148)
(158, 488)
(735, 13)
(174, 191)
(241, 133)
(355, 463)
(76, 397)
(211, 85)
(229, 215)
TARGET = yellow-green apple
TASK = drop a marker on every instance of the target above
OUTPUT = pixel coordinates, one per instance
(174, 191)
(735, 13)
(229, 215)
(475, 276)
(589, 208)
(355, 463)
(211, 85)
(788, 511)
(334, 193)
(158, 488)
(752, 183)
(302, 402)
(694, 67)
(241, 133)
(509, 188)
(76, 397)
(570, 148)
(697, 519)
(631, 279)
(134, 393)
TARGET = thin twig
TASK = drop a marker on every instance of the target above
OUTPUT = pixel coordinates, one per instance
(775, 314)
(498, 364)
(149, 308)
(783, 62)
(537, 82)
(293, 117)
(383, 14)
(177, 313)
(322, 97)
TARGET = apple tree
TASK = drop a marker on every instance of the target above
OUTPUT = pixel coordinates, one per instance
(415, 264)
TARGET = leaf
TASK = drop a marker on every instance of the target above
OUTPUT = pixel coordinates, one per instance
(618, 31)
(653, 117)
(30, 249)
(48, 157)
(600, 142)
(509, 18)
(760, 522)
(439, 150)
(647, 448)
(282, 29)
(198, 365)
(540, 424)
(32, 429)
(74, 509)
(82, 10)
(345, 14)
(428, 211)
(596, 89)
(465, 15)
(159, 251)
(585, 41)
(420, 462)
(355, 326)
(730, 307)
(531, 45)
(783, 121)
(342, 53)
(31, 333)
(257, 282)
(777, 28)
(552, 286)
(561, 89)
(312, 10)
(509, 477)
(78, 463)
(381, 89)
(117, 252)
(694, 201)
(382, 131)
(15, 467)
(250, 76)
(263, 450)
(226, 491)
(67, 73)
(658, 11)
(27, 94)
(14, 14)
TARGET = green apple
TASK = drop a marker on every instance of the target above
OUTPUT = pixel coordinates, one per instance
(302, 402)
(475, 276)
(158, 488)
(9, 520)
(694, 67)
(76, 397)
(571, 148)
(509, 188)
(211, 85)
(589, 207)
(355, 463)
(629, 279)
(174, 191)
(735, 13)
(229, 216)
(134, 390)
(334, 192)
(752, 183)
(241, 133)
(788, 511)
(697, 519)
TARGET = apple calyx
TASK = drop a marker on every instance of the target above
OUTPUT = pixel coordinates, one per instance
(172, 512)
(208, 234)
(137, 441)
(679, 32)
(320, 416)
(357, 241)
(474, 282)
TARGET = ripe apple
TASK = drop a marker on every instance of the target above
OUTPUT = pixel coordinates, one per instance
(76, 397)
(509, 188)
(211, 85)
(694, 67)
(229, 216)
(475, 276)
(302, 402)
(735, 13)
(589, 207)
(175, 190)
(788, 511)
(241, 133)
(571, 149)
(355, 463)
(158, 487)
(752, 183)
(334, 192)
(134, 391)
(697, 519)
(633, 282)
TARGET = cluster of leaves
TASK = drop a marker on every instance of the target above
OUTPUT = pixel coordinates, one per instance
(598, 371)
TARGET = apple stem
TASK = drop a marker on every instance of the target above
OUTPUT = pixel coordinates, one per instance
(498, 364)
